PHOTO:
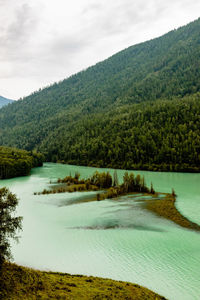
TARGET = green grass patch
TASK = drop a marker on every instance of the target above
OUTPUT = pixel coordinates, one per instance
(166, 208)
(23, 283)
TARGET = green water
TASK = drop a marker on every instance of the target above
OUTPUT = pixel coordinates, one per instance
(113, 239)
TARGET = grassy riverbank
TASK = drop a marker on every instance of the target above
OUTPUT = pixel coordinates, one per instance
(24, 283)
(166, 208)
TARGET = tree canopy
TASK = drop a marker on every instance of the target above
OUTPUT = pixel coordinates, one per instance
(9, 224)
(15, 162)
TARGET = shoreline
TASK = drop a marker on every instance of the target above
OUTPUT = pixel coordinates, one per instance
(190, 170)
(165, 207)
(20, 282)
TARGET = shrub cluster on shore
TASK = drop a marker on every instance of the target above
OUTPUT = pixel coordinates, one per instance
(130, 184)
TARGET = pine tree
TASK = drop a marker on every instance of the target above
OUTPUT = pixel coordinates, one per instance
(115, 179)
(173, 193)
(126, 181)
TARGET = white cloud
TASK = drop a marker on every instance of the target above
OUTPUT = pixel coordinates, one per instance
(45, 41)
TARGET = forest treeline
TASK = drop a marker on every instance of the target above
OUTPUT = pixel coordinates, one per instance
(15, 162)
(159, 136)
(139, 109)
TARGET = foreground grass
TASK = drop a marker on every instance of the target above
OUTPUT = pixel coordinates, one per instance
(23, 283)
(165, 207)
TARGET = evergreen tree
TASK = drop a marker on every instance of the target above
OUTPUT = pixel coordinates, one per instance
(115, 179)
(173, 193)
(152, 189)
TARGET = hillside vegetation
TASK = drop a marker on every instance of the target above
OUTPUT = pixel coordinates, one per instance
(15, 162)
(22, 283)
(139, 109)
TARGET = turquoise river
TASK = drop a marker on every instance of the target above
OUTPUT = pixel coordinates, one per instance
(115, 239)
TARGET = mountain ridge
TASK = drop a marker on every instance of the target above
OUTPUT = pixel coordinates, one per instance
(156, 71)
(4, 101)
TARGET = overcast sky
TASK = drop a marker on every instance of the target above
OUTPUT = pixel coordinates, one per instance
(43, 41)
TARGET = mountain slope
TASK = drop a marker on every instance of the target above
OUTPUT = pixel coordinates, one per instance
(159, 136)
(80, 119)
(4, 101)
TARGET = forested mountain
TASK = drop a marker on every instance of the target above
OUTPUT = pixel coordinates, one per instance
(138, 109)
(4, 101)
(15, 162)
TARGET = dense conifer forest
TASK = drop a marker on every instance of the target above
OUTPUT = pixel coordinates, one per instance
(15, 162)
(139, 109)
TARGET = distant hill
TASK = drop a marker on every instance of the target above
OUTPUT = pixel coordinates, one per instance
(139, 109)
(4, 101)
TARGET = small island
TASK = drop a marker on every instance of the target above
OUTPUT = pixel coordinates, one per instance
(107, 187)
(103, 182)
